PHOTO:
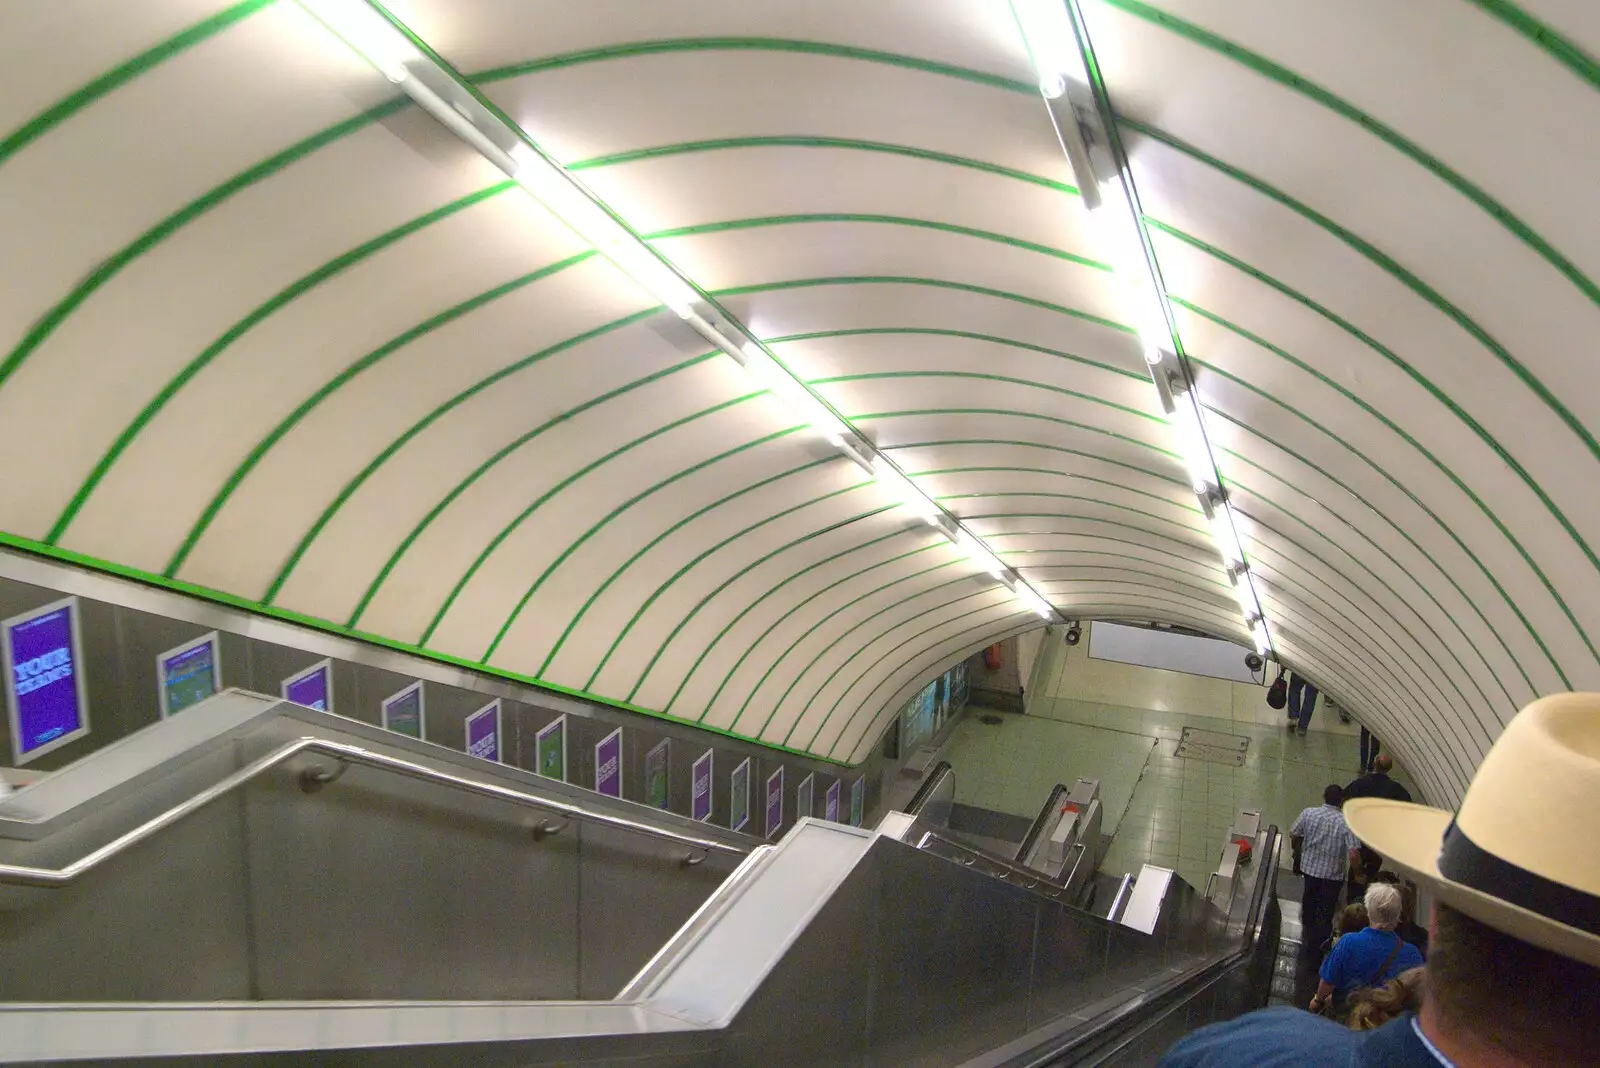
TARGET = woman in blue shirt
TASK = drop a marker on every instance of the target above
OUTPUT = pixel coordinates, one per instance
(1369, 957)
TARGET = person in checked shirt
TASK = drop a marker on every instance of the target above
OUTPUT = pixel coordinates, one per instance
(1323, 850)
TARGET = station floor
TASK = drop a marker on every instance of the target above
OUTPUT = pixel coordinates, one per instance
(1159, 808)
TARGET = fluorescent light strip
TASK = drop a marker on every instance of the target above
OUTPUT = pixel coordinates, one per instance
(1049, 27)
(381, 42)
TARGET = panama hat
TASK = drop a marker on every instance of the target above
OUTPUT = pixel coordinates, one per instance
(1517, 856)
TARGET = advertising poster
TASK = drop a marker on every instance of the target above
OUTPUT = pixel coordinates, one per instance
(830, 803)
(700, 787)
(189, 673)
(774, 802)
(313, 687)
(803, 797)
(608, 765)
(551, 748)
(483, 732)
(858, 798)
(404, 712)
(739, 796)
(658, 775)
(44, 679)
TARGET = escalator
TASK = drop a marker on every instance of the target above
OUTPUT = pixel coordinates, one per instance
(265, 885)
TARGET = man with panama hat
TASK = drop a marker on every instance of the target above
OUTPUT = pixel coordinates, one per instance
(1513, 972)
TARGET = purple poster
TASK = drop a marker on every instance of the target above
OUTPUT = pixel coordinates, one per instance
(608, 765)
(483, 732)
(313, 687)
(830, 803)
(700, 787)
(774, 802)
(45, 679)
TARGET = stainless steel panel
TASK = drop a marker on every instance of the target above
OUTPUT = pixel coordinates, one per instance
(379, 887)
(633, 894)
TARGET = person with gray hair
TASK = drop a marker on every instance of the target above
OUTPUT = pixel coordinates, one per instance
(1370, 957)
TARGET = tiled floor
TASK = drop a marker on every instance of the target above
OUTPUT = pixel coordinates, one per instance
(1161, 808)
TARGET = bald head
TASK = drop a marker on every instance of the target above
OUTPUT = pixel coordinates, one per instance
(1382, 764)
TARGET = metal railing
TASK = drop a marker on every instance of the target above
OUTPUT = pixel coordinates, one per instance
(313, 778)
(1040, 821)
(1008, 870)
(931, 783)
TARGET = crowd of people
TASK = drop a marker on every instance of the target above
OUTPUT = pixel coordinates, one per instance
(1507, 975)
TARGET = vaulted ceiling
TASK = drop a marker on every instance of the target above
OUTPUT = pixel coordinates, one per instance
(269, 331)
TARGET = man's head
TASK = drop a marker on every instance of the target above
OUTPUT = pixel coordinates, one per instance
(1382, 764)
(1383, 906)
(1333, 794)
(1535, 1005)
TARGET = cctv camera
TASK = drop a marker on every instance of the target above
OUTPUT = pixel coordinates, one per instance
(1254, 662)
(1074, 634)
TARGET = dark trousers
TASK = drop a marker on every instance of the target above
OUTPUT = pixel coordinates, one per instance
(1302, 702)
(1369, 750)
(1318, 903)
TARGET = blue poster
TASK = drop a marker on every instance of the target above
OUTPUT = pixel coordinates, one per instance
(483, 732)
(45, 679)
(313, 687)
(830, 803)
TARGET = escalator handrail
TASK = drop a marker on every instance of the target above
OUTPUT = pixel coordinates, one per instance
(1012, 872)
(348, 754)
(1178, 989)
(1031, 839)
(919, 800)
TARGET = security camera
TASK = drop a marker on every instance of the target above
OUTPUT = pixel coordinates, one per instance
(1074, 634)
(1254, 662)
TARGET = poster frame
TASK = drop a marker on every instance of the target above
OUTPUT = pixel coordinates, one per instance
(422, 709)
(808, 790)
(557, 724)
(709, 757)
(766, 804)
(497, 707)
(214, 639)
(664, 747)
(621, 763)
(325, 665)
(79, 679)
(741, 770)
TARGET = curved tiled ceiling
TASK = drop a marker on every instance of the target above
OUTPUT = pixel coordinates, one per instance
(273, 333)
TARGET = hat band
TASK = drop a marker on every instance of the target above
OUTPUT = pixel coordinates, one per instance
(1461, 860)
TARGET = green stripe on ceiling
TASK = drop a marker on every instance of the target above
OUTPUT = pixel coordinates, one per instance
(1088, 500)
(617, 573)
(606, 519)
(940, 283)
(1398, 485)
(1437, 167)
(280, 299)
(1012, 470)
(327, 626)
(734, 225)
(1301, 554)
(113, 264)
(838, 612)
(573, 622)
(978, 376)
(1096, 565)
(122, 74)
(1181, 505)
(824, 562)
(1559, 47)
(750, 44)
(1005, 601)
(515, 445)
(1394, 139)
(852, 143)
(343, 378)
(422, 424)
(1438, 394)
(708, 553)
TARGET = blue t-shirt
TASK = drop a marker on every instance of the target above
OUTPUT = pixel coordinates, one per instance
(1293, 1038)
(1356, 958)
